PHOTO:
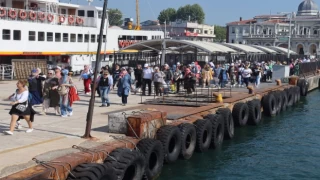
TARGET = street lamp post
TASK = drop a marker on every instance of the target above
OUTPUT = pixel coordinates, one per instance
(289, 40)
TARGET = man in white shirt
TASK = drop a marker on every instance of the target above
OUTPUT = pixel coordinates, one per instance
(147, 79)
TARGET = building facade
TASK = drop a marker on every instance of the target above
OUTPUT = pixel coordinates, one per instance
(181, 30)
(274, 30)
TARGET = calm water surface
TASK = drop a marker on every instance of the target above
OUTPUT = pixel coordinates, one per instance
(284, 147)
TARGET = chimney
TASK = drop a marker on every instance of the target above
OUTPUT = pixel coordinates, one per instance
(240, 18)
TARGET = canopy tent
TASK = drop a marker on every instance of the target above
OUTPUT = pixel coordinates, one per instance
(244, 48)
(282, 50)
(265, 49)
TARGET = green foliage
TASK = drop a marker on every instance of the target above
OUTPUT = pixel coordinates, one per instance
(220, 32)
(167, 15)
(115, 17)
(195, 12)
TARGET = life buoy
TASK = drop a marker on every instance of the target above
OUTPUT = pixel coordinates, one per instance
(188, 140)
(12, 13)
(50, 17)
(41, 16)
(240, 113)
(32, 15)
(70, 19)
(22, 14)
(3, 12)
(61, 19)
(79, 21)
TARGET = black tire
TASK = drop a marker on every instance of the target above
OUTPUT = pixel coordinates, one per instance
(92, 171)
(254, 112)
(127, 163)
(269, 105)
(217, 129)
(304, 87)
(170, 138)
(290, 97)
(298, 93)
(240, 114)
(294, 94)
(204, 134)
(278, 96)
(284, 101)
(153, 152)
(228, 122)
(188, 140)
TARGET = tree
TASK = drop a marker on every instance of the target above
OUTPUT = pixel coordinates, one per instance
(167, 15)
(193, 12)
(115, 17)
(220, 32)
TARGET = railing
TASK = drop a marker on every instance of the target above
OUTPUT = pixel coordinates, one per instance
(23, 15)
(6, 72)
(306, 69)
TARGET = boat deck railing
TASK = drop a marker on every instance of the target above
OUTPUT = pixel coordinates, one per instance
(36, 16)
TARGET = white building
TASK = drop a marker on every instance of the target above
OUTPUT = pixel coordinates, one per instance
(183, 30)
(273, 30)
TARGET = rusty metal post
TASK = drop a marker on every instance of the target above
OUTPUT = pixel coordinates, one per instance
(87, 134)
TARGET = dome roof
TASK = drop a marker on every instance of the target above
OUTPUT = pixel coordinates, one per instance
(308, 8)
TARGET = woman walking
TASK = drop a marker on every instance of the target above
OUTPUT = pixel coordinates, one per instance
(124, 86)
(207, 75)
(105, 84)
(51, 96)
(158, 81)
(189, 81)
(34, 81)
(246, 74)
(86, 77)
(65, 82)
(20, 107)
(177, 78)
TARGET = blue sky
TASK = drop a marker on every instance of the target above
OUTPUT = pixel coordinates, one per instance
(217, 12)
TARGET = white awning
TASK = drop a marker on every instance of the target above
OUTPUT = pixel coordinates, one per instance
(265, 49)
(282, 50)
(243, 48)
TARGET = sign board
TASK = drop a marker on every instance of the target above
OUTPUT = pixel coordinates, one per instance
(221, 58)
(283, 39)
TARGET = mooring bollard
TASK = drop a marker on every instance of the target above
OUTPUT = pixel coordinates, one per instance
(218, 97)
(278, 81)
(250, 88)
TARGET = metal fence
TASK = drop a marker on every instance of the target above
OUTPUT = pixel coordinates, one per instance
(6, 72)
(306, 69)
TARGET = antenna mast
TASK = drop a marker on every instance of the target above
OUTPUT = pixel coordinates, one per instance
(137, 16)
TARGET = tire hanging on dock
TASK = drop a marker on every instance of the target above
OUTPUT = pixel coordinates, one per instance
(188, 140)
(126, 163)
(254, 112)
(153, 152)
(304, 87)
(92, 171)
(298, 93)
(290, 97)
(269, 105)
(240, 114)
(294, 94)
(278, 96)
(284, 101)
(228, 122)
(204, 134)
(170, 138)
(217, 129)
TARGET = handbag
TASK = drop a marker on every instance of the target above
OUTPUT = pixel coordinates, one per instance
(21, 107)
(62, 90)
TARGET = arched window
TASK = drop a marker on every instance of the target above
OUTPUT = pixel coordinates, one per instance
(315, 31)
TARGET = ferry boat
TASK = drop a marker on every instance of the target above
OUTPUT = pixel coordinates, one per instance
(62, 33)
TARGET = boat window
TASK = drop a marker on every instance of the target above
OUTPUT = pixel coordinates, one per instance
(80, 37)
(16, 35)
(86, 38)
(40, 36)
(49, 36)
(63, 11)
(81, 13)
(144, 37)
(65, 37)
(90, 13)
(72, 37)
(104, 38)
(32, 35)
(6, 34)
(57, 37)
(93, 38)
